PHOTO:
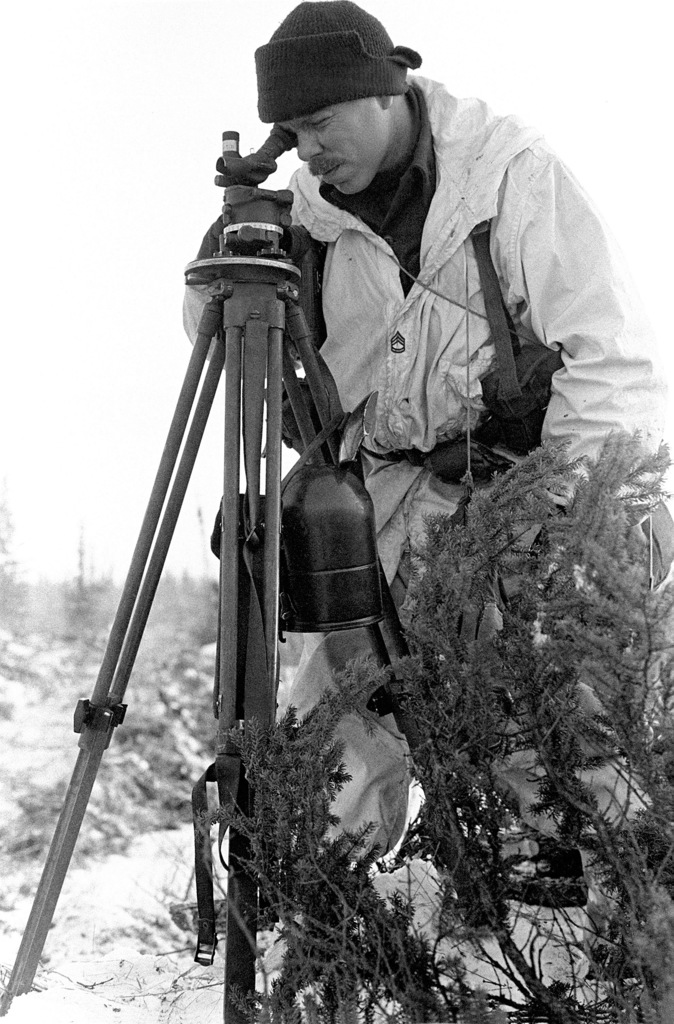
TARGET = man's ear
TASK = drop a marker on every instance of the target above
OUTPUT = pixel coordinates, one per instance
(385, 102)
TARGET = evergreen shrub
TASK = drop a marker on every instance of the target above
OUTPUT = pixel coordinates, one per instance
(575, 695)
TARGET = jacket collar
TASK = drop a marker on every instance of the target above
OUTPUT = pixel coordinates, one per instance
(473, 148)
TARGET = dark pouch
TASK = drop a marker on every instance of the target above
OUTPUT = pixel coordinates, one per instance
(516, 393)
(449, 461)
(516, 421)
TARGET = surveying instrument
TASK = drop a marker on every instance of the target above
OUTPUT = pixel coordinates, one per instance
(299, 555)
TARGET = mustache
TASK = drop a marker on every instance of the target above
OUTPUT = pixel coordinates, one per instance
(319, 165)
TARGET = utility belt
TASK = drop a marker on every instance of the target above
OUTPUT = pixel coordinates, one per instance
(449, 459)
(513, 424)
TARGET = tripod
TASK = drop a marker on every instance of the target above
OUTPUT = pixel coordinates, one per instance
(254, 315)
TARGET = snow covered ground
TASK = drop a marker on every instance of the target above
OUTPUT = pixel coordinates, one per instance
(115, 955)
(114, 952)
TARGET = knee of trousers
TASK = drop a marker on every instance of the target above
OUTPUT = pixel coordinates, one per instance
(376, 755)
(376, 758)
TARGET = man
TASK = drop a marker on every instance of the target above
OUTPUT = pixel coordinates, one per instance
(397, 176)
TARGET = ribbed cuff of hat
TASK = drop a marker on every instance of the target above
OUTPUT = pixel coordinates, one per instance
(302, 69)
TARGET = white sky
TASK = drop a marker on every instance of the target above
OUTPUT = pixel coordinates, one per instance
(114, 112)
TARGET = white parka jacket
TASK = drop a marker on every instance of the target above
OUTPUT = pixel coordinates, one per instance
(562, 278)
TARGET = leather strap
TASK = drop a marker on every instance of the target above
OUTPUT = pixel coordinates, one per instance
(207, 938)
(501, 334)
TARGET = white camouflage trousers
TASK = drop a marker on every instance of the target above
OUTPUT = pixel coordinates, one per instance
(376, 753)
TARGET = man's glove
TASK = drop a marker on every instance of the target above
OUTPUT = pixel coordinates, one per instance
(658, 531)
(482, 615)
(255, 168)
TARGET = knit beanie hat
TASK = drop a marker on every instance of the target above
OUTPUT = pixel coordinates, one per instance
(325, 52)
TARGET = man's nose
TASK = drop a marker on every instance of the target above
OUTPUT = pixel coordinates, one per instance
(308, 145)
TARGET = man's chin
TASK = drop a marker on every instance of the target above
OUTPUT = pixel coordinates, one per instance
(349, 186)
(346, 187)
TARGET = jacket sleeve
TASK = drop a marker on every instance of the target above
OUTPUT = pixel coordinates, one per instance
(196, 296)
(568, 284)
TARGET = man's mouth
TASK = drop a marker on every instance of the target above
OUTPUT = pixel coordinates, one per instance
(322, 168)
(326, 175)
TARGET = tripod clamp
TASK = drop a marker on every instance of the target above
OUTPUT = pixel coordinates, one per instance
(90, 716)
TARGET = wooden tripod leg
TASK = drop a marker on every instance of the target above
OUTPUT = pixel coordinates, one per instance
(239, 979)
(97, 718)
(248, 678)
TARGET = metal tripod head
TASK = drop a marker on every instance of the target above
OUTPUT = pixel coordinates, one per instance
(254, 220)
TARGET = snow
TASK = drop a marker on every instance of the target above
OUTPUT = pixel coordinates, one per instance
(133, 991)
(99, 974)
(113, 952)
(108, 913)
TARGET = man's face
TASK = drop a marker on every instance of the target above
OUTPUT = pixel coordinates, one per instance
(348, 143)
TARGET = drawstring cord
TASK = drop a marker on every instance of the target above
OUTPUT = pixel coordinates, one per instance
(468, 477)
(467, 480)
(651, 573)
(436, 291)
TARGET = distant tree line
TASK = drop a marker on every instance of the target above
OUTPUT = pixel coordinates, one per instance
(81, 608)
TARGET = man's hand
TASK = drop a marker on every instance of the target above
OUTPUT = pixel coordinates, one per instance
(482, 615)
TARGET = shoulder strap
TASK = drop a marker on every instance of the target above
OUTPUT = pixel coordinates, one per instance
(504, 338)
